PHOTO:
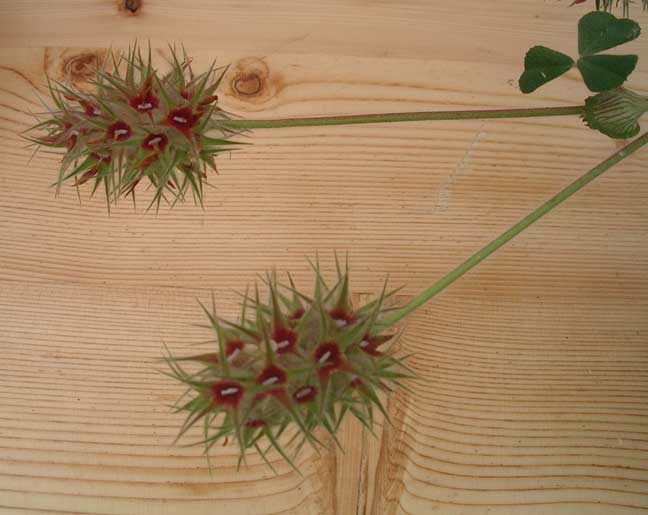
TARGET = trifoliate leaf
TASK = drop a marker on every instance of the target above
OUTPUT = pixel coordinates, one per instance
(605, 72)
(615, 113)
(541, 65)
(598, 31)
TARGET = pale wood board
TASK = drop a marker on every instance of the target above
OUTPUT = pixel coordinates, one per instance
(533, 369)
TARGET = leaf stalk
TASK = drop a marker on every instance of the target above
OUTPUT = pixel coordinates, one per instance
(484, 114)
(397, 315)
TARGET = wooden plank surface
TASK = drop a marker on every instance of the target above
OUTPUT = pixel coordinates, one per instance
(532, 395)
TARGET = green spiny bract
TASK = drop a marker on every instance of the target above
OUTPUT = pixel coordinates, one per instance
(615, 113)
(139, 124)
(293, 360)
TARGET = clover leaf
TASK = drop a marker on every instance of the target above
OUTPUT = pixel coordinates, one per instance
(597, 31)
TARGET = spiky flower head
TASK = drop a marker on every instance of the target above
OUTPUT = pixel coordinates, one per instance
(615, 113)
(139, 125)
(292, 360)
(608, 5)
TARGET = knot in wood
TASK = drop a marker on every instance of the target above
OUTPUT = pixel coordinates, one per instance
(247, 84)
(132, 5)
(80, 68)
(129, 7)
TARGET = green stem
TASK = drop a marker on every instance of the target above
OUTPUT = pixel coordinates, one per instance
(534, 216)
(403, 117)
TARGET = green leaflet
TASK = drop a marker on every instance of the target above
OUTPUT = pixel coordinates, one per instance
(598, 31)
(605, 72)
(541, 65)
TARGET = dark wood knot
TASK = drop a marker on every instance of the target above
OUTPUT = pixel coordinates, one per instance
(81, 68)
(130, 7)
(247, 84)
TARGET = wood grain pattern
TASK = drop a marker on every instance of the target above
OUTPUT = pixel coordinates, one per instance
(533, 369)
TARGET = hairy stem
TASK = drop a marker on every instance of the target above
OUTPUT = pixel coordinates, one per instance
(534, 216)
(403, 117)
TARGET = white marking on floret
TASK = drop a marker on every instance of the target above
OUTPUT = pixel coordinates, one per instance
(325, 357)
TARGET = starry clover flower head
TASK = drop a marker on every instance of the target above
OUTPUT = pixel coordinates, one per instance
(302, 361)
(139, 127)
